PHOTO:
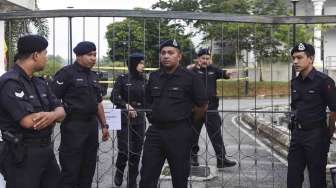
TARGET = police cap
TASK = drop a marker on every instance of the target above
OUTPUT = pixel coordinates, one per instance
(31, 43)
(170, 43)
(84, 48)
(304, 47)
(203, 51)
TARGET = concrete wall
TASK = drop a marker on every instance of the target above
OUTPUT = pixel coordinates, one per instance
(5, 6)
(278, 72)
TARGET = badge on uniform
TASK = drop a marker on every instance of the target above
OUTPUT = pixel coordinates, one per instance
(59, 83)
(301, 47)
(174, 43)
(19, 94)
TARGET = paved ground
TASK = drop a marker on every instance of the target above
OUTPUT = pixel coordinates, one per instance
(258, 164)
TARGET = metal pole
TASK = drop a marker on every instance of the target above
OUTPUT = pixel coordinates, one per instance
(294, 34)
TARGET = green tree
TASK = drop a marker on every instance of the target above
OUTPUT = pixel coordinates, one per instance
(270, 43)
(18, 27)
(53, 65)
(139, 35)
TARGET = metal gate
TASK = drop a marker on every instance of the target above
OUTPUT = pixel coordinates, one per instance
(253, 104)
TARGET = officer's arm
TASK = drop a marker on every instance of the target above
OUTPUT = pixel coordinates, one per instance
(101, 115)
(56, 104)
(332, 119)
(223, 74)
(200, 99)
(102, 120)
(42, 120)
(199, 112)
(60, 83)
(117, 94)
(330, 97)
(15, 102)
(148, 98)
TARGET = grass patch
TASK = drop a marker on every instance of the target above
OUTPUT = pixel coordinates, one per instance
(266, 88)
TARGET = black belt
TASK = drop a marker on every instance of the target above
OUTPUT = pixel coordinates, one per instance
(36, 142)
(311, 125)
(167, 125)
(83, 117)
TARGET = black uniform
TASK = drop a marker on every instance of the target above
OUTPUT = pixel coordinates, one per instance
(309, 143)
(80, 93)
(171, 97)
(209, 77)
(130, 89)
(31, 163)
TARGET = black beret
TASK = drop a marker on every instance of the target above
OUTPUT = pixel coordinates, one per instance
(136, 57)
(31, 43)
(171, 43)
(304, 47)
(203, 51)
(84, 48)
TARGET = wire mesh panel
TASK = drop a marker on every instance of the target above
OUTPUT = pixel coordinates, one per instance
(253, 110)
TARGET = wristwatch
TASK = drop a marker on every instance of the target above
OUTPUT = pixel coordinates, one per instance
(106, 126)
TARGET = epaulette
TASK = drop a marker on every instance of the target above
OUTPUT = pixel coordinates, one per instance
(322, 75)
(10, 75)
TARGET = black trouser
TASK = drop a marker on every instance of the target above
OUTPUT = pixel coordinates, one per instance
(308, 148)
(78, 152)
(38, 170)
(130, 141)
(213, 126)
(173, 144)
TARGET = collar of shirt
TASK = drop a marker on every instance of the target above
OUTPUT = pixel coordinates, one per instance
(80, 68)
(176, 72)
(136, 76)
(21, 72)
(310, 75)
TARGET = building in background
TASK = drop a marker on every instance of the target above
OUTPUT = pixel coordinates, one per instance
(7, 6)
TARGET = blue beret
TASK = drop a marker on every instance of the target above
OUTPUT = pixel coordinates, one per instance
(84, 48)
(171, 43)
(136, 57)
(203, 51)
(304, 47)
(31, 43)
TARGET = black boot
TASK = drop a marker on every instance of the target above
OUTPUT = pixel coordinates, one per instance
(194, 160)
(224, 162)
(118, 178)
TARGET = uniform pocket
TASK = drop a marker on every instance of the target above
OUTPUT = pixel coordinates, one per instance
(81, 84)
(175, 92)
(155, 92)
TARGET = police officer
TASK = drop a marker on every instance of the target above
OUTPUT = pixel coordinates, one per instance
(28, 114)
(312, 91)
(128, 94)
(79, 90)
(171, 93)
(209, 75)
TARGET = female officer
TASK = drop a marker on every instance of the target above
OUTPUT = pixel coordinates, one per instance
(128, 94)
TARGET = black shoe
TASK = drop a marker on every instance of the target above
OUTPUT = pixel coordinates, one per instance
(224, 162)
(194, 160)
(118, 178)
